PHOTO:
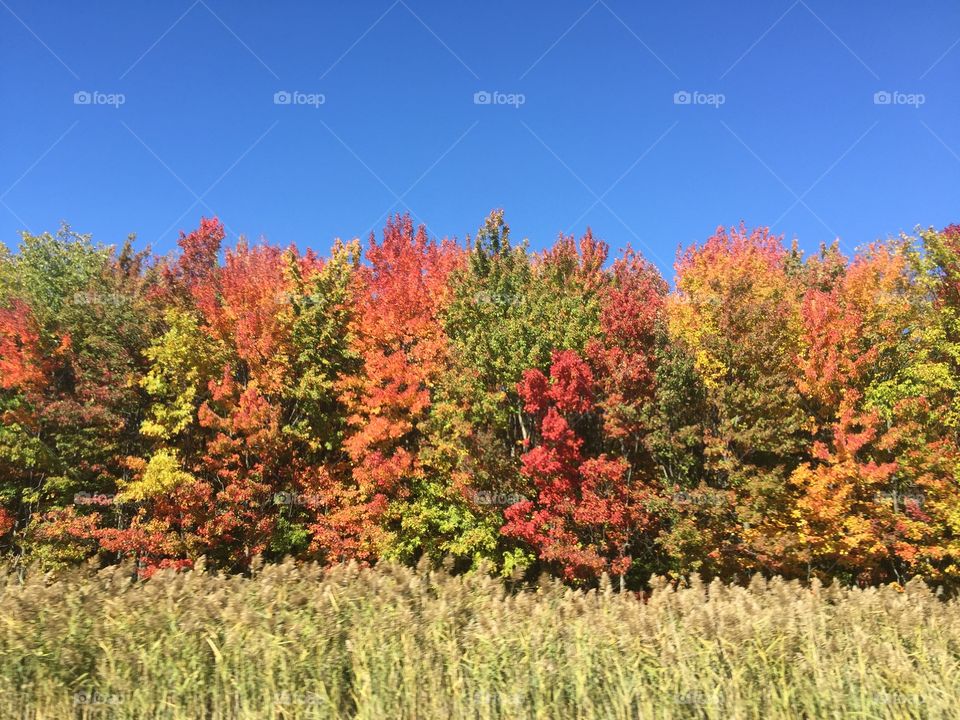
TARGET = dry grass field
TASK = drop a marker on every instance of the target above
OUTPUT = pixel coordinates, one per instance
(299, 642)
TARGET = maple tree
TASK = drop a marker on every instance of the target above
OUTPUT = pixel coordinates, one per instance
(585, 514)
(399, 340)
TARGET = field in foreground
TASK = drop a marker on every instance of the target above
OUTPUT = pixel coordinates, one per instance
(298, 642)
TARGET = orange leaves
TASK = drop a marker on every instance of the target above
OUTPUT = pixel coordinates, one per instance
(249, 413)
(402, 349)
(831, 358)
(395, 388)
(22, 361)
(839, 522)
(945, 247)
(252, 312)
(847, 327)
(7, 521)
(402, 290)
(397, 336)
(841, 518)
(199, 257)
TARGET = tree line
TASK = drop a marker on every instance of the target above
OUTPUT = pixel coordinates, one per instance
(478, 402)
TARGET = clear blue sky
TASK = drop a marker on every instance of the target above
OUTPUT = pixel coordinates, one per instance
(798, 143)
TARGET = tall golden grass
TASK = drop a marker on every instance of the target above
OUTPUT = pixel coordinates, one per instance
(301, 642)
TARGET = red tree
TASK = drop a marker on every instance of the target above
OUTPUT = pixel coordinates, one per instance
(585, 514)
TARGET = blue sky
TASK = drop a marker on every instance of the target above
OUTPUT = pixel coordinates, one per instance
(584, 126)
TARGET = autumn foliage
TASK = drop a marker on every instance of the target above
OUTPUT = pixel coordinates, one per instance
(479, 402)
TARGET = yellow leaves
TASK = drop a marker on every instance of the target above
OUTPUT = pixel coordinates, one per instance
(736, 309)
(161, 475)
(695, 328)
(180, 359)
(154, 429)
(711, 369)
(952, 518)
